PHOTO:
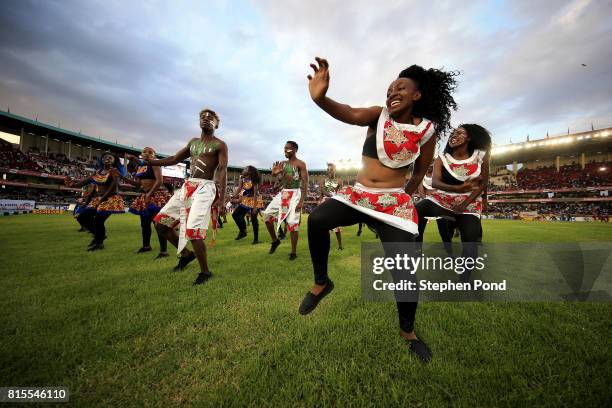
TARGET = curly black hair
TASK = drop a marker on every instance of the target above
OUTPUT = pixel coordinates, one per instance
(253, 174)
(480, 138)
(437, 100)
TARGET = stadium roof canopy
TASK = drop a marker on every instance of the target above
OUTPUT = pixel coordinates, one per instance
(11, 123)
(591, 142)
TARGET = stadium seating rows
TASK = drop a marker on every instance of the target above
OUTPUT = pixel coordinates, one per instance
(569, 176)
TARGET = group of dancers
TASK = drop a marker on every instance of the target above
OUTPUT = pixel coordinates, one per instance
(401, 136)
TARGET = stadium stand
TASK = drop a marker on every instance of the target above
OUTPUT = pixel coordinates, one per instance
(557, 178)
(36, 167)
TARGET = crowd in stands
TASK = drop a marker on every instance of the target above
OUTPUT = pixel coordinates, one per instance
(38, 195)
(59, 164)
(568, 176)
(561, 210)
(14, 158)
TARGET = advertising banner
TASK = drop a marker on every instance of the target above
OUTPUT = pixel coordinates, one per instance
(16, 205)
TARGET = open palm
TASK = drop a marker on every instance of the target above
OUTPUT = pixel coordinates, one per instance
(319, 82)
(277, 168)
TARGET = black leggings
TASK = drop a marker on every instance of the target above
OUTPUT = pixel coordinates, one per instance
(145, 225)
(469, 226)
(331, 214)
(446, 229)
(86, 219)
(94, 222)
(239, 215)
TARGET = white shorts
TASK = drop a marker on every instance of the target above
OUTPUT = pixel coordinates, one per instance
(283, 207)
(190, 206)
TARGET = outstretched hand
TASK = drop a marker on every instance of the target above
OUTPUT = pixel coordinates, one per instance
(319, 82)
(277, 168)
(131, 157)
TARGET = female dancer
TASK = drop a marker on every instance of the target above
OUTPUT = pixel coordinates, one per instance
(149, 179)
(401, 133)
(107, 200)
(330, 186)
(460, 177)
(446, 225)
(250, 202)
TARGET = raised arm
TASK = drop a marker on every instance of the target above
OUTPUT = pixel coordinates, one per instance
(421, 165)
(178, 157)
(318, 84)
(221, 176)
(71, 183)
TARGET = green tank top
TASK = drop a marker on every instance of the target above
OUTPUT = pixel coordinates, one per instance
(291, 178)
(331, 185)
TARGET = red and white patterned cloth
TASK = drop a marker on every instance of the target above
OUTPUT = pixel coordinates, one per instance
(461, 170)
(393, 206)
(399, 144)
(191, 207)
(283, 207)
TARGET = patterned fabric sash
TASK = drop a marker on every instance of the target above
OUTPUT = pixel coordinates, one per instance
(463, 170)
(399, 144)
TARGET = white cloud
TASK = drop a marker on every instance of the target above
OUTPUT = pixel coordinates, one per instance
(140, 73)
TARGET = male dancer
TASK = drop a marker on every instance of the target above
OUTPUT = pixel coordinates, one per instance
(287, 204)
(194, 204)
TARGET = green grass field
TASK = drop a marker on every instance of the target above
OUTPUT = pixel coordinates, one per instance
(121, 329)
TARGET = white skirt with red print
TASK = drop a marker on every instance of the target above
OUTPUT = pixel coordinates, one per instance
(284, 207)
(393, 206)
(191, 208)
(446, 200)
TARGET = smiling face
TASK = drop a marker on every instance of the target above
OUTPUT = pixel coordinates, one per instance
(208, 120)
(401, 95)
(459, 137)
(148, 153)
(108, 160)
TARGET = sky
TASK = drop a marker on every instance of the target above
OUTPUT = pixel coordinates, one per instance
(140, 72)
